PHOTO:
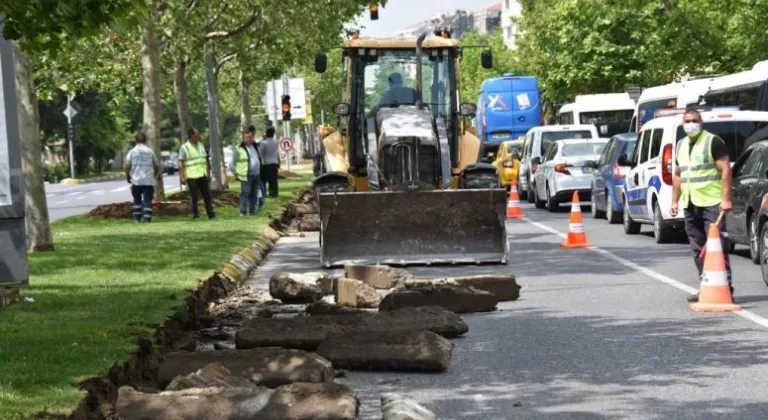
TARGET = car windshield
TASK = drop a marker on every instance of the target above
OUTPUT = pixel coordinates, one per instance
(512, 148)
(734, 133)
(549, 137)
(580, 149)
(629, 148)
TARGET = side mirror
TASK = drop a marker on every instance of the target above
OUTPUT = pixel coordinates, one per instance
(536, 160)
(591, 164)
(486, 58)
(623, 160)
(321, 62)
(341, 109)
(468, 110)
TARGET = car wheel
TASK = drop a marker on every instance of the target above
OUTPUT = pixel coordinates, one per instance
(552, 204)
(612, 216)
(523, 194)
(596, 214)
(531, 191)
(630, 227)
(536, 200)
(762, 246)
(754, 253)
(661, 231)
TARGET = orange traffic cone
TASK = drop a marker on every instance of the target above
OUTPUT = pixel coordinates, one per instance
(513, 204)
(577, 238)
(714, 292)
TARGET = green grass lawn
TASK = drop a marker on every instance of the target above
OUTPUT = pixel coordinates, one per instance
(104, 277)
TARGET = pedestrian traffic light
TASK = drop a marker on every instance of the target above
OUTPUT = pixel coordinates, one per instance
(286, 107)
(374, 7)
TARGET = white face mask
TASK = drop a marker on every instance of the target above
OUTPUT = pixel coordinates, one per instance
(692, 129)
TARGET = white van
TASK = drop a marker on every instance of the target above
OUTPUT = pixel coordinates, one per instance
(537, 141)
(609, 112)
(747, 89)
(647, 192)
(678, 95)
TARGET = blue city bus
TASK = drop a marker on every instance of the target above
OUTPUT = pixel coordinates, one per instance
(507, 108)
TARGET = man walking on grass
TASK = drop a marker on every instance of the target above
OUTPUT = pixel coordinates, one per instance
(195, 171)
(141, 166)
(270, 159)
(246, 166)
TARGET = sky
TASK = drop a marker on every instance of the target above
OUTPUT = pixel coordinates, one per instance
(399, 14)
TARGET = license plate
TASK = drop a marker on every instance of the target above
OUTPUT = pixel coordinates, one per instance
(500, 136)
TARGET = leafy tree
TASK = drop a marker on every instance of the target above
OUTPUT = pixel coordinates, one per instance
(472, 72)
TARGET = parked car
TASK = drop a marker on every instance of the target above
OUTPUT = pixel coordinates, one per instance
(563, 171)
(171, 164)
(750, 184)
(537, 141)
(504, 164)
(647, 193)
(762, 244)
(608, 177)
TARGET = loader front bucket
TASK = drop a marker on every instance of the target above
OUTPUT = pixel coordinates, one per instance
(413, 228)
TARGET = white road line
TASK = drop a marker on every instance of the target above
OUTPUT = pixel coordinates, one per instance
(744, 313)
(73, 193)
(126, 188)
(59, 202)
(83, 197)
(98, 192)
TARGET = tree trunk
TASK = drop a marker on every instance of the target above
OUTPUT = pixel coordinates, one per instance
(181, 89)
(245, 101)
(39, 236)
(150, 66)
(217, 183)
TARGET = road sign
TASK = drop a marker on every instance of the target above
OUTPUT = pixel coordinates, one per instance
(286, 144)
(70, 112)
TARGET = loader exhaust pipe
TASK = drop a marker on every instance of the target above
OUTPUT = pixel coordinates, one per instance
(419, 60)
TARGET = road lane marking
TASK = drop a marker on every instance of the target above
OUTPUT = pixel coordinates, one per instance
(83, 197)
(98, 192)
(121, 189)
(59, 202)
(744, 313)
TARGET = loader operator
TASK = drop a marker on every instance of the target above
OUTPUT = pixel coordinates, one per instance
(397, 93)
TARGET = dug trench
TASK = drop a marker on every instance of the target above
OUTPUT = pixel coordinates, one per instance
(179, 330)
(248, 353)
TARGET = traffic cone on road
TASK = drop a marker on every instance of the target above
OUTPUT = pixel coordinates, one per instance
(513, 204)
(577, 238)
(714, 292)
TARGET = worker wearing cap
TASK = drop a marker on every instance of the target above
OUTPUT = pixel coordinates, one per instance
(703, 181)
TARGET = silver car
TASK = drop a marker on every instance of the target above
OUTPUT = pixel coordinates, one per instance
(562, 170)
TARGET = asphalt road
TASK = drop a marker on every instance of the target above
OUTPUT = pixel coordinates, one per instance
(597, 333)
(70, 200)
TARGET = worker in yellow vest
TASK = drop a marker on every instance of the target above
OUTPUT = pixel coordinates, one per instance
(195, 171)
(246, 167)
(703, 181)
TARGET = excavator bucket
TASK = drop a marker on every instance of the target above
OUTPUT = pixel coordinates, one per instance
(413, 227)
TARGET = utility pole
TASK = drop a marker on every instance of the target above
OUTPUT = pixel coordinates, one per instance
(70, 112)
(287, 124)
(217, 183)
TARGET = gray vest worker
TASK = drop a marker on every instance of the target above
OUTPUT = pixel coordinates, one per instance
(142, 160)
(269, 151)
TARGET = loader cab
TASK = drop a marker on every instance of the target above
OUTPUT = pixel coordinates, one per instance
(396, 85)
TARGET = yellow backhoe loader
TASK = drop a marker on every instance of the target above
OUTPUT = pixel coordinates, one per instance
(403, 182)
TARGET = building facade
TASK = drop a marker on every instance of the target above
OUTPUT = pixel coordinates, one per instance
(510, 9)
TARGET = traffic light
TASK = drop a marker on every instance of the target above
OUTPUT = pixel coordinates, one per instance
(374, 8)
(286, 107)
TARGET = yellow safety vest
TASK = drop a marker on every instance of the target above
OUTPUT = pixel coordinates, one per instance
(241, 166)
(196, 163)
(700, 178)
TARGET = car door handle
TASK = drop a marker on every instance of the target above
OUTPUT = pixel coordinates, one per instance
(651, 168)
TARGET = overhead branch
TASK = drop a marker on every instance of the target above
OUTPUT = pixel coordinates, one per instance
(224, 60)
(236, 30)
(215, 18)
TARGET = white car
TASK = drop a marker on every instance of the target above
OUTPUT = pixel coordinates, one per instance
(647, 193)
(564, 170)
(537, 141)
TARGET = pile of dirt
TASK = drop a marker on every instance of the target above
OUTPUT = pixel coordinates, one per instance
(176, 205)
(220, 198)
